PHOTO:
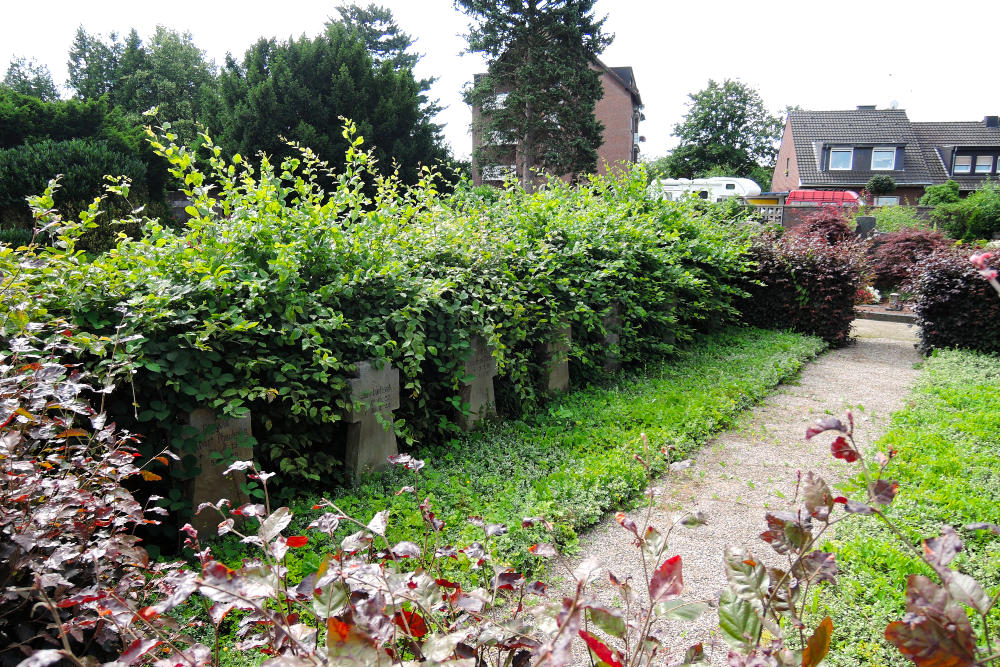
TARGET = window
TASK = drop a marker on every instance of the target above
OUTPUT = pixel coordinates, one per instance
(883, 159)
(841, 158)
(984, 164)
(963, 164)
(730, 186)
(887, 201)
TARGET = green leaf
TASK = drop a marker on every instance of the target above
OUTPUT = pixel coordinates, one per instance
(738, 621)
(608, 619)
(679, 610)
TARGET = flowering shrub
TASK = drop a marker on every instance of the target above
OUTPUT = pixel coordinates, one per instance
(805, 284)
(954, 305)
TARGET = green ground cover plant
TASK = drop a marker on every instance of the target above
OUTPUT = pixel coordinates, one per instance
(948, 444)
(576, 460)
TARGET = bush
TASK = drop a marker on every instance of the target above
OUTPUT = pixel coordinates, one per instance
(880, 184)
(828, 223)
(955, 307)
(894, 258)
(896, 218)
(273, 327)
(973, 218)
(946, 193)
(804, 283)
(67, 548)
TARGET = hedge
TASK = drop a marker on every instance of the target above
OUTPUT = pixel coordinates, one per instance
(262, 304)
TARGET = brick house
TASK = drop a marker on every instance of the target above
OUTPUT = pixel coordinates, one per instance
(619, 109)
(842, 150)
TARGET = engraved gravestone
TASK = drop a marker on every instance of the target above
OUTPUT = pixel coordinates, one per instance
(612, 338)
(370, 436)
(477, 390)
(230, 438)
(556, 360)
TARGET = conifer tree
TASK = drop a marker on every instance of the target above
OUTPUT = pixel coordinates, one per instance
(30, 78)
(541, 53)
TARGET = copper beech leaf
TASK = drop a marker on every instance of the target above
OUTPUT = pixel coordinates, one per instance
(817, 496)
(842, 449)
(825, 424)
(883, 491)
(603, 653)
(608, 619)
(819, 644)
(667, 581)
(935, 632)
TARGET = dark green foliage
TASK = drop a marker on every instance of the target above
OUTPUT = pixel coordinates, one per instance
(543, 56)
(29, 78)
(946, 438)
(299, 90)
(973, 218)
(727, 127)
(955, 306)
(24, 118)
(946, 193)
(880, 184)
(807, 285)
(382, 36)
(894, 258)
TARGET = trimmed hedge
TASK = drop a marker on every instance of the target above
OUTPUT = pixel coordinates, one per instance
(275, 288)
(955, 306)
(804, 283)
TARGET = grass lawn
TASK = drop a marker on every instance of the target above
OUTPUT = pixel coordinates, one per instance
(574, 461)
(948, 467)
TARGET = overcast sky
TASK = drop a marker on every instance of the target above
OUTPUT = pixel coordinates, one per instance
(936, 60)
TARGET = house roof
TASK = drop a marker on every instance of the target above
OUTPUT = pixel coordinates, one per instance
(812, 130)
(625, 76)
(938, 140)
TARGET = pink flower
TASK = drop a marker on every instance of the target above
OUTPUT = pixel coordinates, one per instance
(979, 259)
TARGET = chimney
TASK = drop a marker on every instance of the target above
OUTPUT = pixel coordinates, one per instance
(991, 121)
(866, 107)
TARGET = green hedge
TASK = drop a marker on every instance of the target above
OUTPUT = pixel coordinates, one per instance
(265, 300)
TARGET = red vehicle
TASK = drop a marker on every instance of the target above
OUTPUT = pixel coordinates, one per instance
(822, 197)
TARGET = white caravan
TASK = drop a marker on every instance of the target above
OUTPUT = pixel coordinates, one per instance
(716, 188)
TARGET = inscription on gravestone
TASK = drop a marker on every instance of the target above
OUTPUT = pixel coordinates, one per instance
(227, 437)
(612, 339)
(556, 362)
(477, 392)
(375, 393)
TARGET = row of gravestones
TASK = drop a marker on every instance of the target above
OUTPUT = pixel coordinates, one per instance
(371, 438)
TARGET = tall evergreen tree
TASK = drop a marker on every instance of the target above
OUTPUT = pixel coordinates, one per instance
(30, 78)
(299, 89)
(540, 53)
(382, 36)
(93, 65)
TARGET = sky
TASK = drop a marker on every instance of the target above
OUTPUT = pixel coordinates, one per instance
(938, 61)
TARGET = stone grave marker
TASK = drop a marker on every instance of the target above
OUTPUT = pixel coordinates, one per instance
(865, 226)
(613, 326)
(222, 436)
(477, 390)
(375, 392)
(556, 360)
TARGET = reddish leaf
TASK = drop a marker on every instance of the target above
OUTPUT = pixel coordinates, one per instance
(137, 649)
(411, 622)
(935, 632)
(939, 551)
(544, 550)
(337, 631)
(882, 491)
(150, 476)
(667, 581)
(819, 644)
(603, 653)
(74, 433)
(825, 424)
(627, 523)
(842, 449)
(297, 541)
(406, 550)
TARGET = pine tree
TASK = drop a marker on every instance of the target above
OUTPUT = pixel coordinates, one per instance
(541, 54)
(30, 78)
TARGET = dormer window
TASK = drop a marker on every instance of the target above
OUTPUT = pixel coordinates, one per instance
(883, 159)
(963, 164)
(984, 164)
(841, 159)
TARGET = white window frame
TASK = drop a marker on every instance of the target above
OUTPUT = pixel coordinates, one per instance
(968, 167)
(884, 149)
(989, 164)
(887, 200)
(850, 163)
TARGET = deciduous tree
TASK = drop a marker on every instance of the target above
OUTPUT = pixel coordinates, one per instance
(727, 127)
(540, 53)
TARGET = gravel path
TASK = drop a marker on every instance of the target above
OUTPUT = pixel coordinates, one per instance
(746, 471)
